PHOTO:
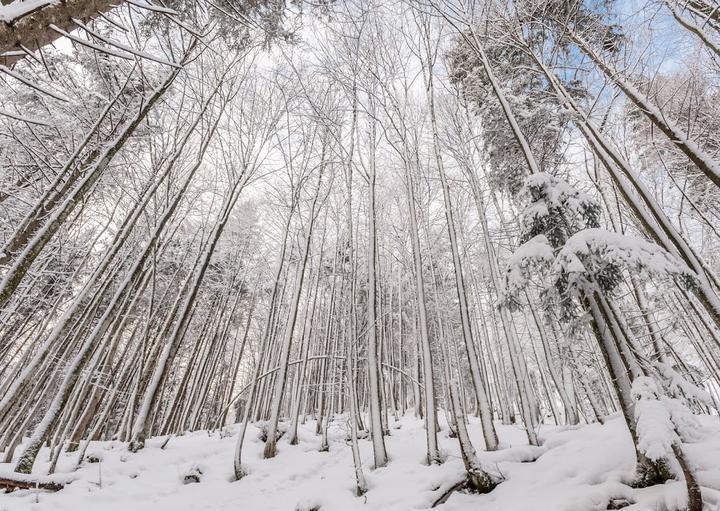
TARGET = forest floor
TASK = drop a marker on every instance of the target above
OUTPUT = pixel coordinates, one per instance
(578, 468)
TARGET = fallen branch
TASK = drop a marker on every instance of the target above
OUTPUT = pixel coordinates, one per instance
(10, 485)
(446, 494)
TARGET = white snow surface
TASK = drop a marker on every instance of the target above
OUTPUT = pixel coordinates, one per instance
(656, 433)
(579, 468)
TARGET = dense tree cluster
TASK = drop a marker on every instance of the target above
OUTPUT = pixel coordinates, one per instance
(258, 211)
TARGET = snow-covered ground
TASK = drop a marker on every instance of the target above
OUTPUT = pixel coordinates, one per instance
(577, 469)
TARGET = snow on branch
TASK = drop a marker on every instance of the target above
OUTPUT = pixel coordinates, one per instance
(556, 209)
(10, 481)
(16, 10)
(678, 386)
(595, 253)
(594, 250)
(531, 254)
(547, 193)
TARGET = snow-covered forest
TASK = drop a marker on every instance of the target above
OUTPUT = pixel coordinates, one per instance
(360, 254)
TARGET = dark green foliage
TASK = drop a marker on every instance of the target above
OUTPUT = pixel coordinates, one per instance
(556, 210)
(651, 472)
(536, 109)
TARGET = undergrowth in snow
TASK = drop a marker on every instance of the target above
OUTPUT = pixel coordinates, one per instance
(580, 468)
